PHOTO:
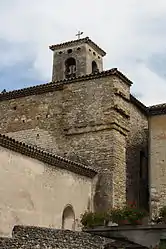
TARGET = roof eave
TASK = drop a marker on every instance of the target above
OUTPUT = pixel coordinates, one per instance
(46, 157)
(58, 85)
(139, 104)
(80, 41)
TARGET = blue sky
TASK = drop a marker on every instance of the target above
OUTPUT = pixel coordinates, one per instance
(132, 32)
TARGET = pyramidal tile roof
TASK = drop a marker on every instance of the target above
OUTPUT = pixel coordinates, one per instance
(78, 42)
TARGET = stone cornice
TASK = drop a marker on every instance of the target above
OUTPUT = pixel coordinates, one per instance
(79, 42)
(46, 157)
(96, 128)
(58, 85)
(121, 111)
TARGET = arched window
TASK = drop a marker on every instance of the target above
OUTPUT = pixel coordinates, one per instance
(70, 67)
(68, 218)
(94, 67)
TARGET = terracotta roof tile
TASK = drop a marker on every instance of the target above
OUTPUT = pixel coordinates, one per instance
(139, 104)
(157, 109)
(58, 85)
(78, 42)
(46, 157)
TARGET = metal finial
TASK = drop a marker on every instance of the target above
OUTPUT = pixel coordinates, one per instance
(79, 34)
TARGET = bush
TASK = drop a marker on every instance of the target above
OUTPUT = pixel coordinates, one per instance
(90, 219)
(116, 215)
(128, 214)
(133, 214)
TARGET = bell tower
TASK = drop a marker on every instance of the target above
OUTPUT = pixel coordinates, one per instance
(76, 58)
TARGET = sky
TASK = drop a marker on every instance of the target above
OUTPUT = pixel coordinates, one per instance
(132, 32)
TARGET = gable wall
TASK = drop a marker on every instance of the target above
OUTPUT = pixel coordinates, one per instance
(33, 193)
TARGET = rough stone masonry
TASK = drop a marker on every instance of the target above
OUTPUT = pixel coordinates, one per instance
(90, 118)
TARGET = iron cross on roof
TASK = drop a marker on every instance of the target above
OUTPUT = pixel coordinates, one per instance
(79, 34)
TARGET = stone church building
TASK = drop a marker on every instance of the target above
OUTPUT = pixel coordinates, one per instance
(81, 142)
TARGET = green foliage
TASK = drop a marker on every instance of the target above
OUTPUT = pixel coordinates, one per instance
(162, 244)
(128, 214)
(90, 219)
(133, 214)
(116, 215)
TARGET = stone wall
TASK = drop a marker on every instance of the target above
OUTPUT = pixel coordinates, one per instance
(157, 155)
(33, 193)
(35, 237)
(86, 121)
(137, 142)
(36, 119)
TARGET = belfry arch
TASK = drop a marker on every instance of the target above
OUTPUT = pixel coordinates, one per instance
(94, 67)
(70, 67)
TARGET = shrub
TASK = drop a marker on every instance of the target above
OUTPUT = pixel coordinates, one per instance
(90, 219)
(133, 214)
(127, 214)
(116, 215)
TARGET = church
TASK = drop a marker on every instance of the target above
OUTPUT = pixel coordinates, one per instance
(81, 142)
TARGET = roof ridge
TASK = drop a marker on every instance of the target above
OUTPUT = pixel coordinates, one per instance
(58, 85)
(47, 157)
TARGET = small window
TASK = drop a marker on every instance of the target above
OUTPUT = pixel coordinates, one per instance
(78, 48)
(60, 52)
(94, 67)
(89, 50)
(98, 57)
(69, 51)
(94, 53)
(15, 107)
(68, 218)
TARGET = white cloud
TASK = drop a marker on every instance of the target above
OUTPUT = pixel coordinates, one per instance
(130, 31)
